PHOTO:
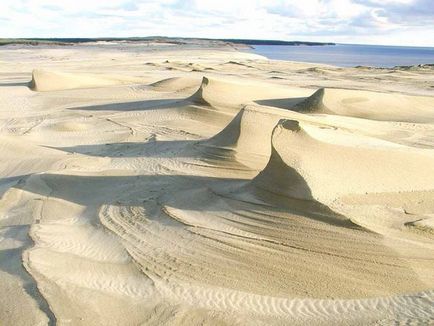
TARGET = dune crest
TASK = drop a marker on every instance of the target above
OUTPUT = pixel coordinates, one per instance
(200, 97)
(279, 177)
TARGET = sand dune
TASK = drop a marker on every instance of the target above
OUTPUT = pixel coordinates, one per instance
(218, 93)
(175, 84)
(43, 80)
(247, 138)
(369, 105)
(324, 160)
(135, 190)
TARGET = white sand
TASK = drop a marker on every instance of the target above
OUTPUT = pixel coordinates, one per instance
(170, 185)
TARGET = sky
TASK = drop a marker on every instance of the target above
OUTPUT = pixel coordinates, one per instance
(388, 22)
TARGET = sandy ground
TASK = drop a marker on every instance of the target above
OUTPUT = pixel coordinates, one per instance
(177, 185)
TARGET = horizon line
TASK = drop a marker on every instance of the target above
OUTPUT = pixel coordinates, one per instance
(321, 43)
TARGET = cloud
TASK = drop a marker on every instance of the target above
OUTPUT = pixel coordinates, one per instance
(400, 22)
(405, 12)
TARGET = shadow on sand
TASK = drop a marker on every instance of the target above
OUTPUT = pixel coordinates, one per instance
(282, 103)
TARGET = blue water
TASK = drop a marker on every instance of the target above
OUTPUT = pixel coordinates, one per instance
(346, 55)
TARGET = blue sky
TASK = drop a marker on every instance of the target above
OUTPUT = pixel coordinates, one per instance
(394, 22)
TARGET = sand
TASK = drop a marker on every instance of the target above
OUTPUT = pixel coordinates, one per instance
(195, 185)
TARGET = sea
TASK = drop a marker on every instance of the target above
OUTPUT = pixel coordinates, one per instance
(350, 55)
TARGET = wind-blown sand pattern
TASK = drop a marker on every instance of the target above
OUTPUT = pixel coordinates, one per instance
(192, 185)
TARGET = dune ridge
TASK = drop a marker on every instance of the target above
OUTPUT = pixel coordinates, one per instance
(368, 105)
(210, 91)
(247, 138)
(354, 170)
(45, 80)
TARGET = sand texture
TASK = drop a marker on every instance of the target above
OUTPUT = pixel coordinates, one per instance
(195, 185)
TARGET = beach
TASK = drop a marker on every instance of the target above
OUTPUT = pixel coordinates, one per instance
(202, 184)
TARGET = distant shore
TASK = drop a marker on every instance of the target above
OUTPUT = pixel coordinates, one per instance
(158, 39)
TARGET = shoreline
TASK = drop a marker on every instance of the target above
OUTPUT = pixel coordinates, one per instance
(346, 55)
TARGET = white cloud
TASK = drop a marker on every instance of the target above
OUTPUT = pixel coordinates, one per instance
(401, 22)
